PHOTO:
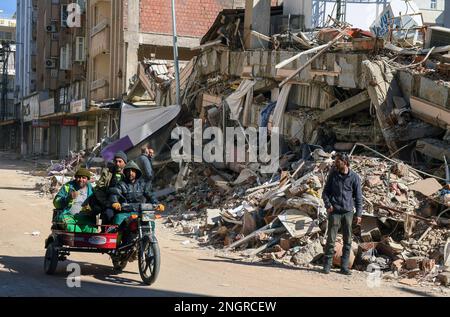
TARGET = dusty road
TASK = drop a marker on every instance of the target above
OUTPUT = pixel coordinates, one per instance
(185, 270)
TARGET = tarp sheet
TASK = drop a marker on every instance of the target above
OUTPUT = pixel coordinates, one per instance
(137, 124)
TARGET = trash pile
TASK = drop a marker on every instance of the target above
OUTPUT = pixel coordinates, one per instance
(403, 232)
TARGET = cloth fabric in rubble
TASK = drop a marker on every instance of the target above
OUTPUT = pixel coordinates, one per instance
(265, 114)
(235, 101)
(343, 192)
(281, 106)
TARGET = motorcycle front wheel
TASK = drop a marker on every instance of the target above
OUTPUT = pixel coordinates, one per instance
(149, 260)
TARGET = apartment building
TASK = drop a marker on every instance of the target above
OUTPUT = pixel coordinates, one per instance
(122, 33)
(9, 113)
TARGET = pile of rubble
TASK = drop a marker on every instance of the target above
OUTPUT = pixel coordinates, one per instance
(403, 229)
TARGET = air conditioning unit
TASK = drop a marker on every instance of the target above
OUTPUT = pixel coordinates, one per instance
(51, 28)
(54, 73)
(50, 63)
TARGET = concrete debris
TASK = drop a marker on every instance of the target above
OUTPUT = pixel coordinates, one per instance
(308, 253)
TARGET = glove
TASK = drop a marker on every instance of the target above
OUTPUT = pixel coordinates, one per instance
(160, 207)
(117, 206)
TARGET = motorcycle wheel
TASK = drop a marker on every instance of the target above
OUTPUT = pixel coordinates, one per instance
(149, 261)
(51, 258)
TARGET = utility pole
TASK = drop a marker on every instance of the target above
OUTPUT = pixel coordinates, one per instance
(175, 53)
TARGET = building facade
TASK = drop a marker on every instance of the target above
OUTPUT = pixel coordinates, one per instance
(9, 113)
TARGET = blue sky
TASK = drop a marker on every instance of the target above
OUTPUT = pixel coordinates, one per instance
(8, 7)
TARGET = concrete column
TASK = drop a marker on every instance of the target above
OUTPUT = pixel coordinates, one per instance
(132, 40)
(257, 18)
(303, 7)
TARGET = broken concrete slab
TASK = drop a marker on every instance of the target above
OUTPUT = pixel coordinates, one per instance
(426, 187)
(298, 223)
(308, 253)
(434, 148)
(212, 216)
(430, 113)
(346, 108)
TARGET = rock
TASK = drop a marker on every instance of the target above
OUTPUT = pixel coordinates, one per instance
(400, 169)
(338, 255)
(372, 181)
(412, 263)
(427, 265)
(285, 244)
(444, 278)
(397, 265)
(408, 281)
(308, 253)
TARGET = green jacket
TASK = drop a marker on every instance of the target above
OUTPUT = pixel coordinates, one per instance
(63, 200)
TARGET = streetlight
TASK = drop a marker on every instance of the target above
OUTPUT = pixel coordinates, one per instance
(175, 53)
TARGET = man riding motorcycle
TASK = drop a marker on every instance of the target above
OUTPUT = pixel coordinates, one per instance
(109, 177)
(133, 189)
(73, 199)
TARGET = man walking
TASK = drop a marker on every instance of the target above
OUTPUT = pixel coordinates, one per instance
(144, 161)
(342, 193)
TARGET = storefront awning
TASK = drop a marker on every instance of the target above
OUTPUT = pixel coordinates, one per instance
(7, 122)
(57, 115)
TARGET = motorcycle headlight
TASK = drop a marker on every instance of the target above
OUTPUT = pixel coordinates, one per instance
(148, 216)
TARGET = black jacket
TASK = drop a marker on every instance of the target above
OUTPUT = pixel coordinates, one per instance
(343, 192)
(138, 192)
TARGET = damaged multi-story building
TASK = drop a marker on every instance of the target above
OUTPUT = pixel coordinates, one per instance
(320, 89)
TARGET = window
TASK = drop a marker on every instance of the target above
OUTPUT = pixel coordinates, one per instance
(64, 15)
(82, 5)
(65, 62)
(8, 35)
(433, 4)
(80, 45)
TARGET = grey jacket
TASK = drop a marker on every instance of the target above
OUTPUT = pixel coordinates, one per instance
(343, 192)
(145, 165)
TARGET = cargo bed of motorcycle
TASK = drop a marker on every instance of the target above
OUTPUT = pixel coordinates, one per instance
(102, 241)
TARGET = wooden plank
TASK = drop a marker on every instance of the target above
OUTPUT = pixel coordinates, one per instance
(206, 45)
(293, 58)
(324, 72)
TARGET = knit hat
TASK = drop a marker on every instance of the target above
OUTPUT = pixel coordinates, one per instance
(83, 172)
(122, 155)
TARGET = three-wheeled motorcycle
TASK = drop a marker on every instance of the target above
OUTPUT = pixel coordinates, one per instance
(133, 239)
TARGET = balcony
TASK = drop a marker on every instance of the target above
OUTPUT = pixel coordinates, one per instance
(100, 39)
(94, 2)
